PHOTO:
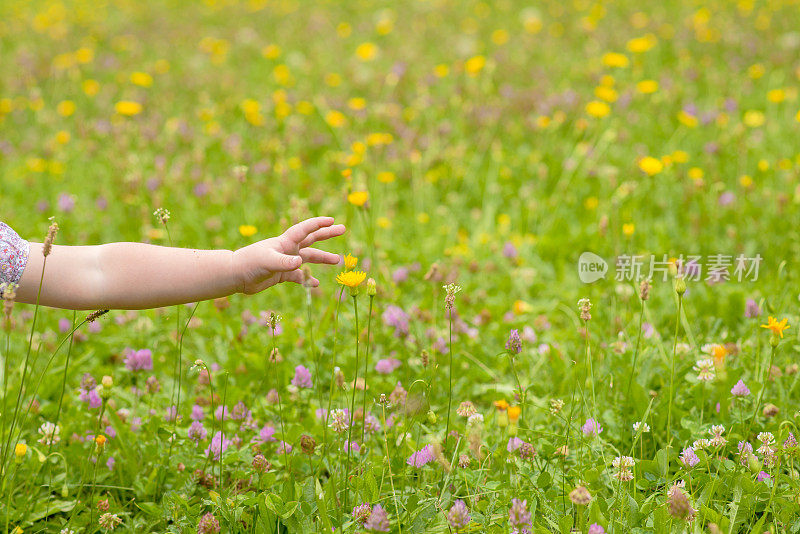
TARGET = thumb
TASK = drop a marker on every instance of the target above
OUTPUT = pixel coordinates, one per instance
(287, 263)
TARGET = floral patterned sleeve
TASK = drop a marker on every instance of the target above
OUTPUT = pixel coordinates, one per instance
(13, 254)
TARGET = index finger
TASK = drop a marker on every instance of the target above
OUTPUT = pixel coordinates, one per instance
(300, 231)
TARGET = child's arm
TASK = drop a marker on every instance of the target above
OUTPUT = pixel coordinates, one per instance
(138, 275)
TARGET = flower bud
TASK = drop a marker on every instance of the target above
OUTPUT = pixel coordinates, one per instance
(100, 443)
(680, 286)
(372, 288)
(431, 417)
(107, 382)
(20, 450)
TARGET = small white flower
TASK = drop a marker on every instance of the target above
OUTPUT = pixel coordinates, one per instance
(644, 426)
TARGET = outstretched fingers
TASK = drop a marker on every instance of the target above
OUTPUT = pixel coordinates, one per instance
(301, 230)
(322, 234)
(314, 255)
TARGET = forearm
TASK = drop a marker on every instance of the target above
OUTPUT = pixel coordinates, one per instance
(126, 276)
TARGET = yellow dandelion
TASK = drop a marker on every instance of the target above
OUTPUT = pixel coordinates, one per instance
(351, 279)
(128, 108)
(350, 262)
(441, 70)
(367, 51)
(386, 177)
(358, 198)
(696, 173)
(142, 79)
(650, 165)
(628, 229)
(474, 65)
(680, 156)
(640, 45)
(336, 119)
(776, 96)
(615, 59)
(247, 230)
(598, 109)
(514, 413)
(647, 87)
(66, 108)
(753, 118)
(687, 119)
(777, 327)
(20, 450)
(603, 92)
(90, 87)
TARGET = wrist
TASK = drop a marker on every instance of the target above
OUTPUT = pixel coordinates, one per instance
(236, 281)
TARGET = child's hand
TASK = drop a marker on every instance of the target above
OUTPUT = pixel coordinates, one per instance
(278, 259)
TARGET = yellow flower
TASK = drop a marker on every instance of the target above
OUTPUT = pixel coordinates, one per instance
(350, 262)
(247, 230)
(513, 413)
(647, 87)
(776, 326)
(90, 87)
(142, 79)
(335, 119)
(598, 109)
(474, 65)
(680, 156)
(746, 181)
(797, 117)
(351, 279)
(386, 177)
(756, 71)
(687, 119)
(651, 165)
(128, 108)
(753, 118)
(615, 59)
(628, 229)
(441, 70)
(366, 51)
(62, 137)
(501, 405)
(520, 306)
(642, 44)
(776, 96)
(358, 198)
(606, 93)
(20, 450)
(66, 108)
(271, 51)
(696, 173)
(357, 103)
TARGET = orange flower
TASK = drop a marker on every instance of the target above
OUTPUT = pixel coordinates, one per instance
(776, 326)
(358, 198)
(513, 413)
(501, 405)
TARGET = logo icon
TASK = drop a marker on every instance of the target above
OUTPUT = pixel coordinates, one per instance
(591, 267)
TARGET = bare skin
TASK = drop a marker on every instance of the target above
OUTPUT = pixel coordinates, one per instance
(134, 276)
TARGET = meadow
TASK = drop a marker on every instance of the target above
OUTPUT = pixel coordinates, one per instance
(568, 299)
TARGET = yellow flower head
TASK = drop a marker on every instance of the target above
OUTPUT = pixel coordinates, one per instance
(20, 450)
(128, 108)
(247, 230)
(513, 413)
(351, 279)
(358, 198)
(776, 326)
(651, 165)
(501, 405)
(350, 262)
